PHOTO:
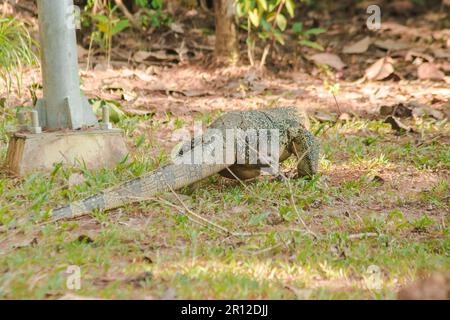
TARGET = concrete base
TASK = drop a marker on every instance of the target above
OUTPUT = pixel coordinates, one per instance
(96, 148)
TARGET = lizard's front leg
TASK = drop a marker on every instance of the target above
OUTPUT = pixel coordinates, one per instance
(250, 171)
(306, 148)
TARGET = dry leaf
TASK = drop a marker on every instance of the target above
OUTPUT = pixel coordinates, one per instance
(401, 30)
(165, 55)
(429, 71)
(398, 110)
(323, 116)
(441, 34)
(195, 93)
(345, 117)
(435, 16)
(329, 59)
(358, 47)
(397, 125)
(375, 178)
(446, 109)
(27, 243)
(128, 96)
(144, 76)
(415, 53)
(421, 110)
(176, 27)
(141, 56)
(391, 45)
(441, 53)
(381, 69)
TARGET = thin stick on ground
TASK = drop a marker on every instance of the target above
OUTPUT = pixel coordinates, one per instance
(232, 233)
(195, 214)
(180, 209)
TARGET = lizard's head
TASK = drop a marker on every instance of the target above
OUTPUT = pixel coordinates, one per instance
(308, 145)
(310, 148)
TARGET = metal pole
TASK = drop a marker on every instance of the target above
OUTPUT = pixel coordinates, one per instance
(35, 127)
(106, 125)
(63, 105)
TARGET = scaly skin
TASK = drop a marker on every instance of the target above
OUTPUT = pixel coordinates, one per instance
(294, 138)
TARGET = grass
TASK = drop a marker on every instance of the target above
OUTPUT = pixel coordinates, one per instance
(380, 200)
(16, 51)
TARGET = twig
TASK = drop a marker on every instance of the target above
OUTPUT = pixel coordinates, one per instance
(270, 45)
(96, 7)
(180, 209)
(223, 229)
(195, 214)
(250, 45)
(127, 13)
(264, 56)
(337, 104)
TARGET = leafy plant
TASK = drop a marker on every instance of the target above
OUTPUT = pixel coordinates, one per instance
(107, 26)
(15, 50)
(152, 13)
(422, 223)
(267, 20)
(305, 36)
(141, 3)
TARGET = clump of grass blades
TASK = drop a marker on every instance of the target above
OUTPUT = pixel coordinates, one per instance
(16, 51)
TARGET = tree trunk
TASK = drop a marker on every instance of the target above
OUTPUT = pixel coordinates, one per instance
(227, 43)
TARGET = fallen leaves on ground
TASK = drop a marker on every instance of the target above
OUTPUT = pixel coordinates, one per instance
(399, 110)
(411, 109)
(391, 45)
(397, 125)
(324, 116)
(358, 47)
(329, 59)
(429, 71)
(381, 69)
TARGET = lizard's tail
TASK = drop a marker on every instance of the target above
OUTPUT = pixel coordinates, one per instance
(170, 177)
